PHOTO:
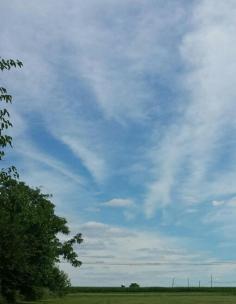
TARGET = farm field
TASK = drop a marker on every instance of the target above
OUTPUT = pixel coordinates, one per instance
(145, 298)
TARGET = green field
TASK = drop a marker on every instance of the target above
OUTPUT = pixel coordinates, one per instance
(145, 298)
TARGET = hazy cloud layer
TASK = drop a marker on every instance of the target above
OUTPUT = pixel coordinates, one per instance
(125, 112)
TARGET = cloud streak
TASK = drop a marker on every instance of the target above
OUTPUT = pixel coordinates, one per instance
(119, 203)
(189, 152)
(116, 245)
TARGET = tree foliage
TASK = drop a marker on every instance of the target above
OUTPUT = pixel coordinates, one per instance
(5, 123)
(30, 246)
(134, 285)
(7, 98)
(29, 242)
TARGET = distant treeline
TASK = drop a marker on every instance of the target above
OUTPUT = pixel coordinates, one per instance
(231, 290)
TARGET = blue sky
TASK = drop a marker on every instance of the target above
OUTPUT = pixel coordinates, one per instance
(125, 112)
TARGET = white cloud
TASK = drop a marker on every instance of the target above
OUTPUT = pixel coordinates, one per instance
(116, 77)
(130, 209)
(91, 46)
(28, 151)
(189, 149)
(119, 203)
(222, 219)
(107, 244)
(217, 203)
(91, 160)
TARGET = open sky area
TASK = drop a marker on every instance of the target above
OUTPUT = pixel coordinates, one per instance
(125, 112)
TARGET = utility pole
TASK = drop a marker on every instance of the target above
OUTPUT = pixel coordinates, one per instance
(199, 284)
(173, 282)
(188, 282)
(211, 281)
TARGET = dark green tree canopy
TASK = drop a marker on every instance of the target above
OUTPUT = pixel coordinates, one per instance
(29, 244)
(134, 285)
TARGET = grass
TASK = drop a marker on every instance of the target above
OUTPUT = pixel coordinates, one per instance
(145, 298)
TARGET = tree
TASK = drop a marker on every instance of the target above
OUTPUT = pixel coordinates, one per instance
(5, 123)
(30, 248)
(134, 285)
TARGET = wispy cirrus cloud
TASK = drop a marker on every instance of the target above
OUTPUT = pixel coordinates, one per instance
(188, 157)
(112, 86)
(28, 151)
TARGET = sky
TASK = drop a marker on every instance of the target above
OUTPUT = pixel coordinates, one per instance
(125, 111)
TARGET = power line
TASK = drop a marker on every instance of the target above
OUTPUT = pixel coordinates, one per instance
(224, 282)
(216, 263)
